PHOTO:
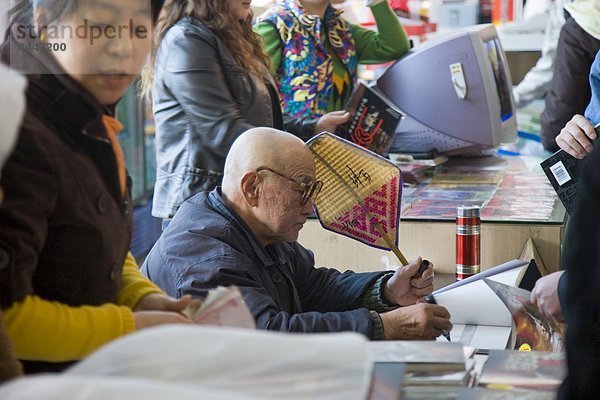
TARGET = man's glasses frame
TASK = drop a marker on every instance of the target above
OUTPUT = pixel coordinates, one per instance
(310, 191)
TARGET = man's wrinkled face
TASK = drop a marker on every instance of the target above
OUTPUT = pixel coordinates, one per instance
(283, 207)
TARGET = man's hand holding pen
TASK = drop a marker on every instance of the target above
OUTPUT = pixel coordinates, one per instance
(416, 319)
(410, 283)
(431, 300)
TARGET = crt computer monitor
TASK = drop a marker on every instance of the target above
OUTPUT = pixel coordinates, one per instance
(455, 94)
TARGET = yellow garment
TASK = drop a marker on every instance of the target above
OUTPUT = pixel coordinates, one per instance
(113, 127)
(134, 285)
(43, 330)
(587, 15)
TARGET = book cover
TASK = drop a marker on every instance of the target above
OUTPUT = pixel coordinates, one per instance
(539, 370)
(560, 168)
(374, 120)
(533, 330)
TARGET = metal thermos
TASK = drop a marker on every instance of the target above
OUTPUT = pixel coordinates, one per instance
(468, 242)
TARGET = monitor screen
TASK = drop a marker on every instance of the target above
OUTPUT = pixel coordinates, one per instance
(454, 93)
(494, 51)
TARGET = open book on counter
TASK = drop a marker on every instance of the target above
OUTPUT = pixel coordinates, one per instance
(480, 317)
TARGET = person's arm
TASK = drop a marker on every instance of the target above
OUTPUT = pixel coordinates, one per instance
(577, 136)
(303, 127)
(374, 299)
(271, 45)
(390, 41)
(237, 269)
(327, 289)
(195, 76)
(592, 111)
(43, 330)
(569, 92)
(404, 287)
(545, 295)
(51, 331)
(134, 285)
(150, 304)
(536, 82)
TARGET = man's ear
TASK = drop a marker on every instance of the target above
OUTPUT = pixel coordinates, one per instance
(250, 187)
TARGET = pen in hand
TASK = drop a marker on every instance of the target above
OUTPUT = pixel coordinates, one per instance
(431, 300)
(424, 265)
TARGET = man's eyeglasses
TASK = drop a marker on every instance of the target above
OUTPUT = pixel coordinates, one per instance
(310, 191)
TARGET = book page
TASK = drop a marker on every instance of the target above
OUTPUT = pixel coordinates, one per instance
(482, 337)
(471, 301)
(533, 330)
(485, 274)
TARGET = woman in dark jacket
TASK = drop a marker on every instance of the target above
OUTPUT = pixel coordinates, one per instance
(67, 282)
(210, 82)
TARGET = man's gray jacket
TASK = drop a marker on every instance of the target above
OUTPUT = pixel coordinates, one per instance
(207, 245)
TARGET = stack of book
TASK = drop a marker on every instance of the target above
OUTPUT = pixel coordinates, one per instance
(432, 370)
(524, 371)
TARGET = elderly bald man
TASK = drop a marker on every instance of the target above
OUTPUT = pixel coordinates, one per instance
(245, 234)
